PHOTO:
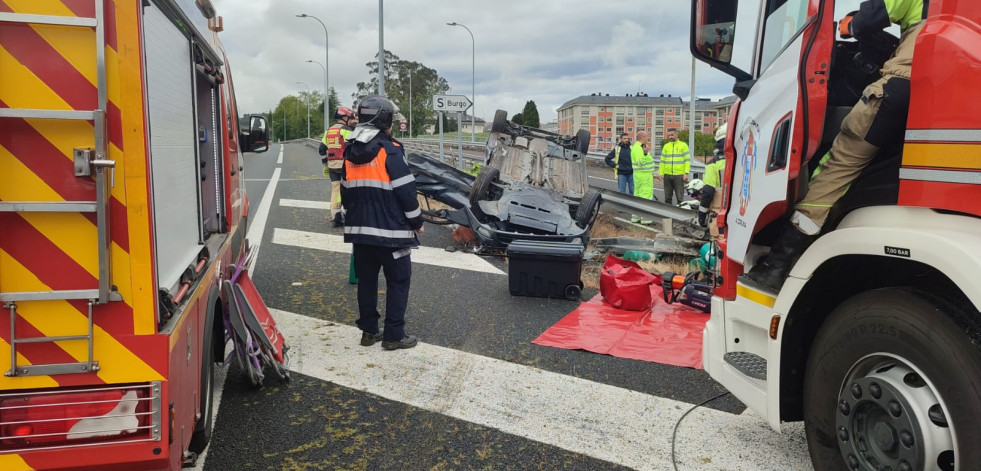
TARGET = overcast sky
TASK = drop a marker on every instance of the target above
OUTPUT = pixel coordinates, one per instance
(549, 51)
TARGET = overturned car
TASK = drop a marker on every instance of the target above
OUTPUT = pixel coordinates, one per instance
(532, 186)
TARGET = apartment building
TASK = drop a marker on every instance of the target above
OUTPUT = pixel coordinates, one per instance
(606, 116)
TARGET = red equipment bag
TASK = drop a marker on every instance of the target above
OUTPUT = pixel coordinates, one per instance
(625, 285)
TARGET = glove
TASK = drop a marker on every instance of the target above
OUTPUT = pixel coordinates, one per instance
(326, 172)
(845, 26)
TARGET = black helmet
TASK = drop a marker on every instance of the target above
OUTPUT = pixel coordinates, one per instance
(377, 111)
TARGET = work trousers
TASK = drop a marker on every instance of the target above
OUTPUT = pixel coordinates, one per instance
(644, 184)
(879, 118)
(674, 185)
(335, 192)
(397, 267)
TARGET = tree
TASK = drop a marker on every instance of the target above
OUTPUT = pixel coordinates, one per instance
(426, 82)
(518, 118)
(530, 115)
(704, 143)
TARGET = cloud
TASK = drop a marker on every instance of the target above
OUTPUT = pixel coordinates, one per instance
(549, 51)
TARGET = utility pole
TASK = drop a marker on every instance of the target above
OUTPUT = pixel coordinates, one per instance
(381, 49)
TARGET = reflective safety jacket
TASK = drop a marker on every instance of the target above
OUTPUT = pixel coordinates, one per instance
(875, 15)
(334, 140)
(643, 164)
(620, 159)
(675, 159)
(713, 173)
(379, 194)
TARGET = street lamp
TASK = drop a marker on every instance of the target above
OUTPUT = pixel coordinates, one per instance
(326, 97)
(326, 66)
(308, 106)
(473, 77)
(410, 98)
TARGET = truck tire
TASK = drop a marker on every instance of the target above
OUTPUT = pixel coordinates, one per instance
(202, 429)
(894, 376)
(500, 123)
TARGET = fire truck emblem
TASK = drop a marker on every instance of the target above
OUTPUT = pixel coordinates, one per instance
(748, 161)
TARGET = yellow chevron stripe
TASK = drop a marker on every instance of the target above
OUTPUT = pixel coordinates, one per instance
(967, 156)
(20, 88)
(14, 463)
(134, 179)
(54, 318)
(23, 382)
(39, 7)
(758, 297)
(75, 45)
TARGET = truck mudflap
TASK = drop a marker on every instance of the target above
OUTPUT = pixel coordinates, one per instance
(258, 344)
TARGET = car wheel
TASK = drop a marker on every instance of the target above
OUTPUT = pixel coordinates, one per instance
(892, 382)
(481, 187)
(588, 208)
(500, 123)
(582, 141)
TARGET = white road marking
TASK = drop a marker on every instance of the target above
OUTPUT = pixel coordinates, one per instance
(261, 214)
(325, 205)
(424, 255)
(605, 422)
(280, 159)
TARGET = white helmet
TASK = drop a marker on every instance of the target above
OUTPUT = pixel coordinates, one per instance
(694, 186)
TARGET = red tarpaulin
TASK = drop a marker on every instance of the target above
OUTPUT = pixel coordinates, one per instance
(666, 333)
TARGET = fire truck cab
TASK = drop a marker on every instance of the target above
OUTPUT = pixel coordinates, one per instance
(122, 211)
(874, 340)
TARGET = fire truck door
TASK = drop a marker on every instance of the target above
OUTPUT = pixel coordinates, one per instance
(766, 121)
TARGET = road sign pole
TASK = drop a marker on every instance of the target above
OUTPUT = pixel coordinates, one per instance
(459, 133)
(441, 159)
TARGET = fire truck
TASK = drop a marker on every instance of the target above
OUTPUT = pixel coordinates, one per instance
(122, 213)
(874, 340)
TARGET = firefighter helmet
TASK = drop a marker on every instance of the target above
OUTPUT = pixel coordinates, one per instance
(377, 111)
(694, 186)
(343, 111)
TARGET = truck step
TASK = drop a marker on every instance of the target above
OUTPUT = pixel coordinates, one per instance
(749, 364)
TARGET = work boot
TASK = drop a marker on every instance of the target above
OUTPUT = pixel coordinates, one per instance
(634, 218)
(368, 340)
(339, 220)
(408, 341)
(773, 269)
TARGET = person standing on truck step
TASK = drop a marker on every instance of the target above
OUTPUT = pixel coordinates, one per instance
(619, 158)
(674, 167)
(383, 218)
(863, 131)
(332, 156)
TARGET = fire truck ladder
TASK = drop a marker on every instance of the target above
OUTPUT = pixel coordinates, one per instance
(88, 161)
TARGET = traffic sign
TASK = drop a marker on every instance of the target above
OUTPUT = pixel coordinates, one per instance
(452, 103)
(403, 126)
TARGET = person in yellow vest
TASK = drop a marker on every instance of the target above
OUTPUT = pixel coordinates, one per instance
(643, 164)
(674, 167)
(332, 156)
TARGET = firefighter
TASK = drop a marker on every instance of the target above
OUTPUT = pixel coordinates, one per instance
(383, 218)
(674, 167)
(878, 118)
(332, 156)
(713, 180)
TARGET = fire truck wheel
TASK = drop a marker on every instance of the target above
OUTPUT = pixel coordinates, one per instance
(892, 382)
(202, 429)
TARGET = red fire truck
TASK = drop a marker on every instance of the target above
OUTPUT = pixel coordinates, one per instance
(122, 213)
(874, 340)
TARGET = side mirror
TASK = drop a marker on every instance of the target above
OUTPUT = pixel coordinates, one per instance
(713, 35)
(256, 139)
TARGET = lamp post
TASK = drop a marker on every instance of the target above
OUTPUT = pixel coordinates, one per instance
(410, 98)
(326, 96)
(308, 106)
(473, 78)
(326, 65)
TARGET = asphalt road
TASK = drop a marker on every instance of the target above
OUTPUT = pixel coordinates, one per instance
(476, 393)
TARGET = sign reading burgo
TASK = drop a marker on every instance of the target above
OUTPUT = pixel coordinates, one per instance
(452, 103)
